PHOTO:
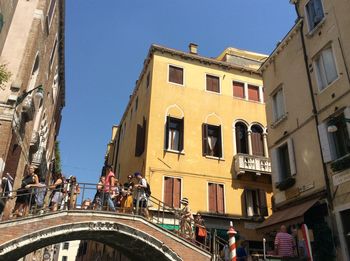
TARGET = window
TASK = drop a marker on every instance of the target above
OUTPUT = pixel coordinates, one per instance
(140, 138)
(213, 83)
(174, 134)
(325, 68)
(238, 90)
(176, 74)
(52, 54)
(335, 137)
(1, 21)
(253, 93)
(64, 258)
(136, 104)
(50, 14)
(148, 80)
(212, 145)
(172, 192)
(255, 202)
(314, 12)
(65, 245)
(241, 138)
(216, 198)
(257, 140)
(278, 105)
(283, 161)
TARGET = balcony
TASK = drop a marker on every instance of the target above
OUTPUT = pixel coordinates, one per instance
(251, 163)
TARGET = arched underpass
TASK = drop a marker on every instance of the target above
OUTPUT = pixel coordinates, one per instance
(133, 236)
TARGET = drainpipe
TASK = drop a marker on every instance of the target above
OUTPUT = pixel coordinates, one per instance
(314, 109)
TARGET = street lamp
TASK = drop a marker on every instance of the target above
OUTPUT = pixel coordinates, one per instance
(333, 128)
(39, 95)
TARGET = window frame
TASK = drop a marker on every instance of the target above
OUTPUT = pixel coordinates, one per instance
(53, 53)
(312, 30)
(258, 199)
(244, 90)
(224, 190)
(318, 73)
(205, 140)
(183, 75)
(291, 159)
(181, 187)
(273, 95)
(259, 94)
(213, 75)
(181, 135)
(50, 19)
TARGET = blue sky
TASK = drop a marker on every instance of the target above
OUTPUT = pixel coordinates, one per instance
(107, 41)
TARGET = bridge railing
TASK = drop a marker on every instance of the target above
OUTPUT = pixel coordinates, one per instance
(35, 200)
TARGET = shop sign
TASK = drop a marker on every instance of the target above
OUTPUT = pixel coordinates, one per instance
(341, 178)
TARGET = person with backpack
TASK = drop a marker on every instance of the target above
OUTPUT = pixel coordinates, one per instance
(142, 193)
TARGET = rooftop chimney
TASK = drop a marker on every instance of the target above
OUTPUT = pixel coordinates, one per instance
(193, 48)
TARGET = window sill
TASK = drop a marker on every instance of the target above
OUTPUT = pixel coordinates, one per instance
(247, 100)
(316, 28)
(278, 122)
(175, 151)
(176, 84)
(341, 163)
(214, 158)
(328, 86)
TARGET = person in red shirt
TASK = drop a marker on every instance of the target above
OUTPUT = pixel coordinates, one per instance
(284, 243)
(108, 188)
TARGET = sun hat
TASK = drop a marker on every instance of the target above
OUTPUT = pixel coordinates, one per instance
(184, 201)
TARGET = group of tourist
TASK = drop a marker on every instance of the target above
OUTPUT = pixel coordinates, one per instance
(33, 194)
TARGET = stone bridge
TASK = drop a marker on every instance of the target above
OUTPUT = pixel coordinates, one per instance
(134, 236)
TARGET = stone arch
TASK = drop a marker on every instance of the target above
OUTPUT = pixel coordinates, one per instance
(113, 234)
(213, 119)
(241, 139)
(174, 111)
(257, 124)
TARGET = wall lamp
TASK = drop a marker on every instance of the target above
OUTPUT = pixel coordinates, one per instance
(39, 95)
(333, 128)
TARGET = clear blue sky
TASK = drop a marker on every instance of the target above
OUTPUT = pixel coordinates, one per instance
(107, 41)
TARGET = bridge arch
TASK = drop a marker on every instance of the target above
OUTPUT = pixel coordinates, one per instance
(134, 236)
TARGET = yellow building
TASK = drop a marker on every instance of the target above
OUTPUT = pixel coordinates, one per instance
(307, 92)
(196, 128)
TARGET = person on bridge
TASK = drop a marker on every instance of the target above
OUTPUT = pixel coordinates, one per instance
(186, 219)
(108, 188)
(24, 194)
(73, 192)
(57, 193)
(127, 201)
(97, 202)
(140, 194)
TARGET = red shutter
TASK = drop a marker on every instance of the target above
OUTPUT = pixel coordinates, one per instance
(220, 198)
(175, 74)
(253, 93)
(213, 83)
(257, 144)
(238, 89)
(212, 197)
(177, 193)
(168, 191)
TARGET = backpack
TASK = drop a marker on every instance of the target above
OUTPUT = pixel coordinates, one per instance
(148, 190)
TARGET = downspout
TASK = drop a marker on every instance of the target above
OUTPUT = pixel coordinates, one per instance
(314, 109)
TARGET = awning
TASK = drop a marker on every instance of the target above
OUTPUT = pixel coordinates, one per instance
(289, 216)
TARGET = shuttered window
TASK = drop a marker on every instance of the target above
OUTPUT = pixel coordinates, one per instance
(174, 138)
(176, 74)
(284, 161)
(253, 92)
(278, 105)
(325, 68)
(212, 142)
(241, 138)
(255, 202)
(257, 140)
(172, 192)
(140, 138)
(216, 198)
(238, 89)
(213, 83)
(314, 12)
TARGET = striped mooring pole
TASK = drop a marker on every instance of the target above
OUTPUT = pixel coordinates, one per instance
(232, 242)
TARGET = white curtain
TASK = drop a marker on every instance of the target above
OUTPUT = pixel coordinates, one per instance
(329, 65)
(174, 139)
(212, 142)
(249, 203)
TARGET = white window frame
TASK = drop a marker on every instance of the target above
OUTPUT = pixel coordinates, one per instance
(222, 143)
(273, 95)
(318, 73)
(53, 53)
(183, 75)
(173, 177)
(311, 30)
(214, 75)
(53, 13)
(220, 183)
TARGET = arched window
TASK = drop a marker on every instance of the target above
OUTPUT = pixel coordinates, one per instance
(257, 140)
(34, 74)
(241, 138)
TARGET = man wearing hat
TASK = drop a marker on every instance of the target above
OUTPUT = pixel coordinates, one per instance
(186, 219)
(141, 196)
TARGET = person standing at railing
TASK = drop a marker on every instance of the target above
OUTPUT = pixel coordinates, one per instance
(24, 194)
(186, 219)
(127, 201)
(57, 191)
(73, 192)
(117, 194)
(97, 202)
(141, 196)
(108, 188)
(201, 232)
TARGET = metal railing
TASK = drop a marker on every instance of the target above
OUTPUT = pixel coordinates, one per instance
(40, 199)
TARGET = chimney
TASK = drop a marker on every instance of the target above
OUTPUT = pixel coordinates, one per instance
(193, 48)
